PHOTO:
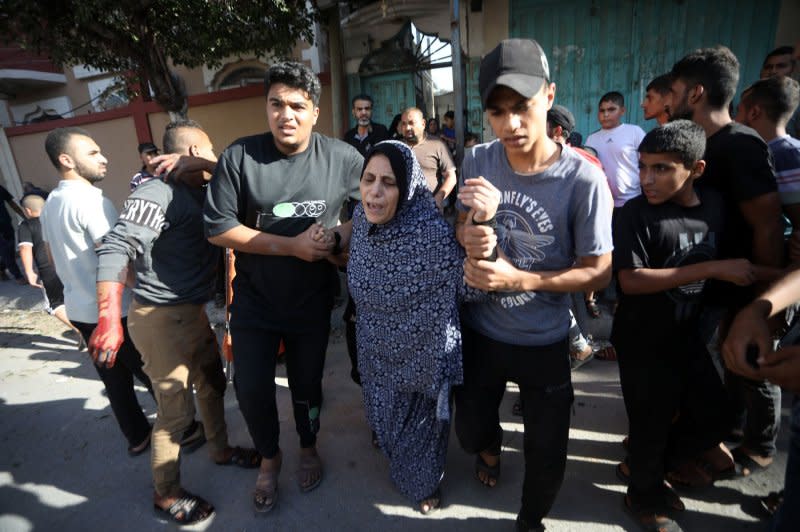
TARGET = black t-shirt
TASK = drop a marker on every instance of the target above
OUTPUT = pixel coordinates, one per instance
(257, 186)
(378, 133)
(664, 236)
(739, 167)
(30, 232)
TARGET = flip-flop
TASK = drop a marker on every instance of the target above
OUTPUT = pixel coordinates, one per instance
(136, 450)
(265, 494)
(187, 510)
(749, 466)
(244, 458)
(491, 472)
(308, 464)
(434, 502)
(648, 519)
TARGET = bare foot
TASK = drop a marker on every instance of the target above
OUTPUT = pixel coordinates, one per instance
(486, 477)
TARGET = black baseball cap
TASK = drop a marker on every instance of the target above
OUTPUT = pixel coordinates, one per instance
(147, 147)
(519, 64)
(560, 116)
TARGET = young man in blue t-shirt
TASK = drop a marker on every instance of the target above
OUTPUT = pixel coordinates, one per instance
(553, 237)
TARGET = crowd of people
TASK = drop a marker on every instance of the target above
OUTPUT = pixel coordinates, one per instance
(681, 227)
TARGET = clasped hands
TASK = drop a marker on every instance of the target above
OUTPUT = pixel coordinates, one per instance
(480, 241)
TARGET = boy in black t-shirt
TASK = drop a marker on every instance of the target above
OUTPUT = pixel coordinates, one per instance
(665, 247)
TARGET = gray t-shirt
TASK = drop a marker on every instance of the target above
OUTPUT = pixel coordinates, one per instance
(160, 229)
(545, 222)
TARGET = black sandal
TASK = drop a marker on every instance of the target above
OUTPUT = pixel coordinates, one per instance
(244, 458)
(650, 519)
(431, 502)
(187, 510)
(491, 472)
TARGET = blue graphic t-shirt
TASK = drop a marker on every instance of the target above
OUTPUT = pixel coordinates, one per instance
(545, 221)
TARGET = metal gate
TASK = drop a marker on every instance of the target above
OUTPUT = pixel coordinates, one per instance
(596, 46)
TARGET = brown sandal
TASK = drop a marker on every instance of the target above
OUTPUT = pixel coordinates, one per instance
(310, 463)
(266, 493)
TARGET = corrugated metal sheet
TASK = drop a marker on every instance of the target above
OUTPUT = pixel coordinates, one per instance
(595, 46)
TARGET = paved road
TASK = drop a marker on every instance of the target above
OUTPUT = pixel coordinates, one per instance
(64, 466)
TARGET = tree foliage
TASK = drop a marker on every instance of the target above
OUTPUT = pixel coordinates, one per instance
(138, 37)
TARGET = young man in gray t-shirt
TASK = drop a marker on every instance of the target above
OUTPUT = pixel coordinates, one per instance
(553, 226)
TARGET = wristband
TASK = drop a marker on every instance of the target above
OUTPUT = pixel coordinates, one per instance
(491, 222)
(337, 246)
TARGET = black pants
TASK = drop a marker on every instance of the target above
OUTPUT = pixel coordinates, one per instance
(255, 353)
(8, 253)
(677, 408)
(543, 376)
(118, 381)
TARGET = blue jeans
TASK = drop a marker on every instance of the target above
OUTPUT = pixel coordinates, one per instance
(788, 515)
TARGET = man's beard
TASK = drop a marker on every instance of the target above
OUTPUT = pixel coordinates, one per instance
(92, 176)
(681, 112)
(364, 122)
(412, 139)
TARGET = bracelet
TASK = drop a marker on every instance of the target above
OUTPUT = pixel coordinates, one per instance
(491, 222)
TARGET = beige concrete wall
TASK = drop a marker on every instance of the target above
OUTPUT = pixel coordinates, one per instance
(117, 140)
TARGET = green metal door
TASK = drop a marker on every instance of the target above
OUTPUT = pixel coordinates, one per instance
(391, 93)
(596, 46)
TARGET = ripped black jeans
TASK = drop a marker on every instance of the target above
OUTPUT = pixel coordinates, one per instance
(543, 376)
(255, 353)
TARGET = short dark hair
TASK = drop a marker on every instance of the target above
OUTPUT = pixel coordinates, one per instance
(778, 96)
(661, 84)
(683, 138)
(780, 50)
(450, 114)
(361, 96)
(613, 97)
(57, 140)
(171, 140)
(469, 135)
(295, 75)
(716, 69)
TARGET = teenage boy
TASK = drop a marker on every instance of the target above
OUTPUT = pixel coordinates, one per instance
(665, 247)
(554, 238)
(616, 145)
(656, 99)
(147, 153)
(766, 106)
(270, 198)
(738, 166)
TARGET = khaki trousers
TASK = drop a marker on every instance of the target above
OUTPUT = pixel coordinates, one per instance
(179, 352)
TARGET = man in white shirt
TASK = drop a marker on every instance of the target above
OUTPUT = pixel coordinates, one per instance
(616, 145)
(75, 218)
